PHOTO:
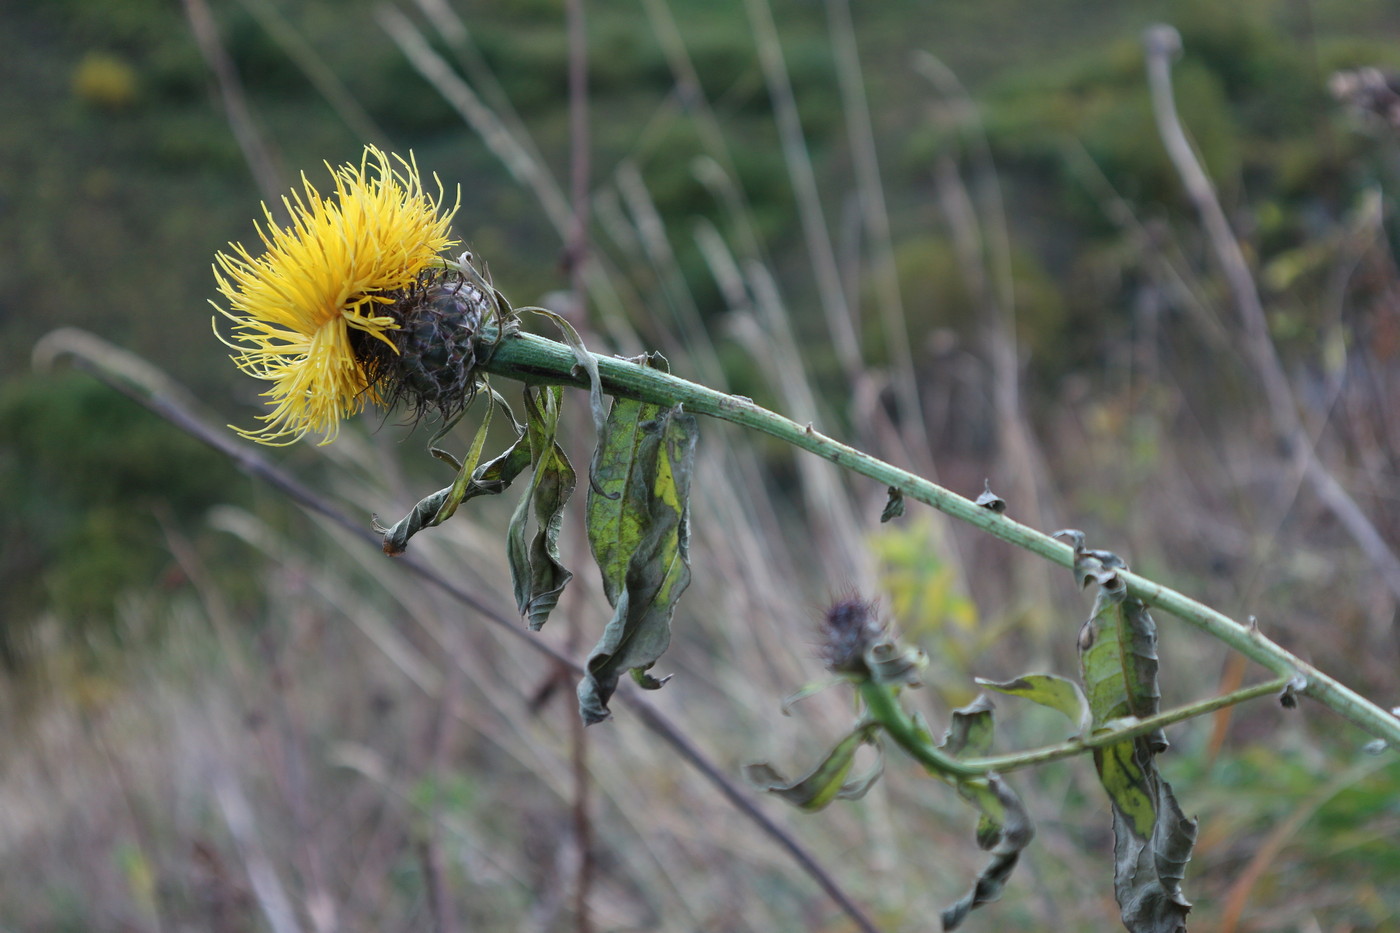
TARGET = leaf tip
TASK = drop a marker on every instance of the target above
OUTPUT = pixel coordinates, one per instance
(990, 500)
(894, 506)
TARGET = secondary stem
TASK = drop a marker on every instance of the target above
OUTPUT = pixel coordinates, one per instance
(882, 705)
(1036, 756)
(531, 358)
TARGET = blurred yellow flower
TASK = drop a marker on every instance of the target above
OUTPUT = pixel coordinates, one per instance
(104, 80)
(332, 272)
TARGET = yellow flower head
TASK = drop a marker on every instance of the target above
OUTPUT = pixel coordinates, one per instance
(324, 286)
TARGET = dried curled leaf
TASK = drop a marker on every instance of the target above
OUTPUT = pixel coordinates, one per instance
(1288, 699)
(1117, 645)
(537, 573)
(1003, 829)
(1147, 871)
(890, 662)
(1003, 826)
(970, 732)
(827, 781)
(990, 500)
(473, 479)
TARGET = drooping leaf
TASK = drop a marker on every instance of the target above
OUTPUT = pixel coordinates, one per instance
(621, 490)
(495, 476)
(856, 788)
(827, 781)
(490, 478)
(1003, 829)
(1147, 872)
(1117, 646)
(1152, 837)
(1003, 826)
(537, 574)
(1128, 776)
(458, 490)
(1052, 690)
(638, 529)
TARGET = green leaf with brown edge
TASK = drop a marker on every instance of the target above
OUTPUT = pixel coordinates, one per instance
(1147, 872)
(537, 574)
(1152, 838)
(827, 781)
(1052, 690)
(638, 528)
(1117, 645)
(621, 488)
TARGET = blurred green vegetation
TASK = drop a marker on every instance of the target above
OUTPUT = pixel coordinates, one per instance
(87, 478)
(120, 178)
(120, 141)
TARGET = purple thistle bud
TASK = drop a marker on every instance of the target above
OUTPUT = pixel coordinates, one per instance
(851, 627)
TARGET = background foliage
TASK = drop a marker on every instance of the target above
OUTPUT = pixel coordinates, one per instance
(200, 684)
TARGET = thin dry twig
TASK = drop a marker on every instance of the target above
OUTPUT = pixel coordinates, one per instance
(440, 754)
(845, 341)
(434, 878)
(157, 393)
(322, 76)
(577, 256)
(1163, 43)
(267, 888)
(1267, 853)
(516, 153)
(876, 219)
(259, 156)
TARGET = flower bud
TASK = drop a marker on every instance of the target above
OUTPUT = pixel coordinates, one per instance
(429, 360)
(852, 627)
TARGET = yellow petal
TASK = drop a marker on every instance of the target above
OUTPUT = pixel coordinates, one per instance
(328, 271)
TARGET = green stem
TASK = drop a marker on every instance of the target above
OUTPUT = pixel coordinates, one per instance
(1075, 746)
(882, 706)
(530, 358)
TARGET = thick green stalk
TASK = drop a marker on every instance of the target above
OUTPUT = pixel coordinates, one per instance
(882, 706)
(530, 358)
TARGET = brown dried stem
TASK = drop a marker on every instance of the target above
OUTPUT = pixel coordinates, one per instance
(1162, 44)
